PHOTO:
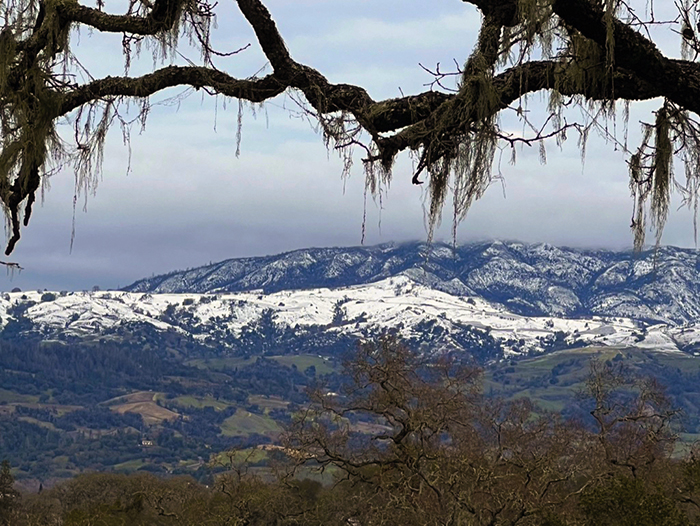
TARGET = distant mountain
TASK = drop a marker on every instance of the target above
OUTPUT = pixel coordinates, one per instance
(490, 300)
(529, 280)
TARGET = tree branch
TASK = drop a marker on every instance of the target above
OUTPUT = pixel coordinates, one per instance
(254, 90)
(268, 36)
(441, 125)
(162, 17)
(510, 85)
(677, 80)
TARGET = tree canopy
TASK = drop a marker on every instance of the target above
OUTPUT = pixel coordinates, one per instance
(599, 55)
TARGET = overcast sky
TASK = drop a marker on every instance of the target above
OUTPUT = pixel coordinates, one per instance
(187, 200)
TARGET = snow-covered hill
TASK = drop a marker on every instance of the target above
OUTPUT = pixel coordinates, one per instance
(420, 314)
(531, 280)
(490, 300)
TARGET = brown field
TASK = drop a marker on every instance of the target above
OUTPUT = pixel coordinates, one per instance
(369, 428)
(138, 396)
(273, 402)
(29, 419)
(151, 412)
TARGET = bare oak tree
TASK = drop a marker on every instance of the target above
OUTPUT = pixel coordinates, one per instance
(440, 452)
(591, 53)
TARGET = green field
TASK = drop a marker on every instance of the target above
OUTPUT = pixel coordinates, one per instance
(301, 361)
(219, 364)
(131, 465)
(240, 456)
(246, 423)
(10, 397)
(304, 361)
(199, 402)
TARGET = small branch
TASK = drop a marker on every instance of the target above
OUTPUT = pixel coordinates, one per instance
(256, 90)
(12, 266)
(162, 17)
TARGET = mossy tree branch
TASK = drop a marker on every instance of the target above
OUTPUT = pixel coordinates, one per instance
(163, 15)
(454, 133)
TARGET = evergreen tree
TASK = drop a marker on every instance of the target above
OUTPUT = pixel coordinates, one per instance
(9, 496)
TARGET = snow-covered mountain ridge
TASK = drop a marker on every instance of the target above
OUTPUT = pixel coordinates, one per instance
(661, 286)
(416, 312)
(490, 299)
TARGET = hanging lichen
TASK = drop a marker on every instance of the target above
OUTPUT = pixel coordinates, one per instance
(662, 171)
(37, 69)
(28, 108)
(651, 171)
(462, 145)
(535, 29)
